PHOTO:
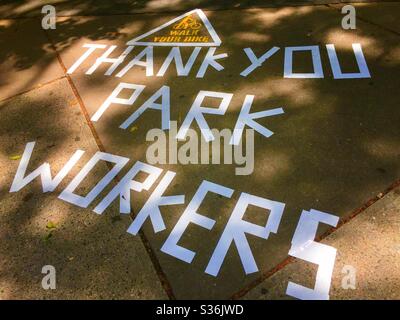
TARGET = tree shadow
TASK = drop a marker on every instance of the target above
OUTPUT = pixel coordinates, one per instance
(336, 146)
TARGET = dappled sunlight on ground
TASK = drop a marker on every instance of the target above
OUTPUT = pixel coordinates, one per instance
(336, 145)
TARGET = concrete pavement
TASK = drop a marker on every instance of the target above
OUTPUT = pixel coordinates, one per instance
(336, 147)
(94, 258)
(368, 244)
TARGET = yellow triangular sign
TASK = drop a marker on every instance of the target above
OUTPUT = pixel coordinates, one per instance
(190, 29)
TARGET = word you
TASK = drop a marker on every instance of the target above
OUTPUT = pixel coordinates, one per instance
(144, 59)
(235, 231)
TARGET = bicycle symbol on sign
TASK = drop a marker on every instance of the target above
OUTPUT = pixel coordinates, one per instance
(188, 22)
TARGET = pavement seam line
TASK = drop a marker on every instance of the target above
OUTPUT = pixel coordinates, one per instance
(289, 259)
(40, 85)
(165, 284)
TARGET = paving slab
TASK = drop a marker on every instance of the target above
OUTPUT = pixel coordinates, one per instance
(93, 256)
(26, 57)
(369, 244)
(336, 146)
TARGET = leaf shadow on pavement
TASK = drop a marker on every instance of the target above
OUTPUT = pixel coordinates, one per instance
(336, 147)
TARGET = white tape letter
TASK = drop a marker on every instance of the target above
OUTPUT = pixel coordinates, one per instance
(190, 215)
(247, 118)
(92, 47)
(148, 64)
(105, 59)
(151, 208)
(256, 62)
(316, 60)
(48, 184)
(337, 71)
(68, 193)
(210, 60)
(175, 54)
(236, 229)
(164, 107)
(196, 113)
(124, 187)
(304, 247)
(137, 89)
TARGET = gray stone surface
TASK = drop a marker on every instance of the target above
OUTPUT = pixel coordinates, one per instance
(370, 243)
(336, 146)
(26, 57)
(93, 255)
